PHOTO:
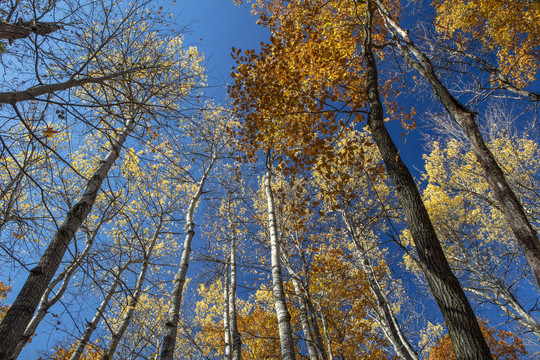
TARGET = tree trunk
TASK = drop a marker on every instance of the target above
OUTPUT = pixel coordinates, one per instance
(21, 311)
(525, 234)
(315, 325)
(302, 310)
(304, 319)
(326, 336)
(13, 97)
(23, 29)
(226, 315)
(233, 316)
(45, 303)
(173, 316)
(389, 323)
(283, 316)
(467, 339)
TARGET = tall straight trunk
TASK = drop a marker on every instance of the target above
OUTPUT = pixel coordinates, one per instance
(226, 315)
(173, 316)
(467, 339)
(21, 311)
(304, 319)
(134, 299)
(387, 319)
(326, 336)
(233, 316)
(312, 312)
(92, 325)
(47, 301)
(280, 304)
(525, 234)
(303, 311)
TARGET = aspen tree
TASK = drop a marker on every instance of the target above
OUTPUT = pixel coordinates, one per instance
(282, 313)
(212, 135)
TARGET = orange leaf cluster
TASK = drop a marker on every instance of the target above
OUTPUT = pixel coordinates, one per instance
(305, 86)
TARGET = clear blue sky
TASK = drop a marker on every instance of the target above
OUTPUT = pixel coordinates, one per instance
(216, 26)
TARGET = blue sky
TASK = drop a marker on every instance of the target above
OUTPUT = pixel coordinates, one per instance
(216, 26)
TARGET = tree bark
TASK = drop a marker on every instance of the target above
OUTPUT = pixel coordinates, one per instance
(13, 97)
(467, 339)
(227, 353)
(303, 310)
(525, 234)
(280, 304)
(23, 29)
(20, 313)
(233, 316)
(173, 316)
(46, 303)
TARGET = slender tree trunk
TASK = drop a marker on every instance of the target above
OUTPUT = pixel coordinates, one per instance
(304, 319)
(327, 336)
(173, 316)
(134, 299)
(233, 316)
(315, 325)
(467, 339)
(226, 314)
(302, 309)
(283, 316)
(525, 234)
(46, 303)
(92, 325)
(390, 324)
(21, 311)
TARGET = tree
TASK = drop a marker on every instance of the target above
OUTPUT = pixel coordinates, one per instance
(306, 93)
(282, 313)
(475, 234)
(526, 235)
(212, 135)
(137, 95)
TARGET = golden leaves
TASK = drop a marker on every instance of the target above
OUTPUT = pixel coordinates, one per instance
(510, 29)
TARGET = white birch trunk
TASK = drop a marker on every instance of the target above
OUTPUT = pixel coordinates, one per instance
(173, 316)
(302, 309)
(233, 319)
(327, 337)
(304, 319)
(21, 311)
(283, 316)
(226, 315)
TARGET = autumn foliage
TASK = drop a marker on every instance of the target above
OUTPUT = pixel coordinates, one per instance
(503, 345)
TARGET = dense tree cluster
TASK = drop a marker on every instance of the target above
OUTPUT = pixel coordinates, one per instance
(142, 219)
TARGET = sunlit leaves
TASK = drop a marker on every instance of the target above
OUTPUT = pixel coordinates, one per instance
(510, 29)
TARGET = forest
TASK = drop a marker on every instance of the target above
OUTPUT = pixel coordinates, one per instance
(364, 184)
